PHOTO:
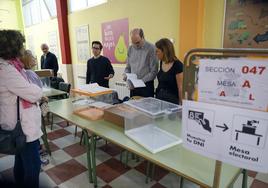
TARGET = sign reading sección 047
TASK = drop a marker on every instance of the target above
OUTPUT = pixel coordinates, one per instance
(232, 135)
(239, 82)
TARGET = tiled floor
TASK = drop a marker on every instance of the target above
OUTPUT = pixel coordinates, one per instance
(68, 166)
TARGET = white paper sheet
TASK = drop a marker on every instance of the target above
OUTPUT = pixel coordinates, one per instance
(93, 88)
(136, 83)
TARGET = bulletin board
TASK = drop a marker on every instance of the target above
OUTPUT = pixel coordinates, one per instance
(246, 24)
(82, 43)
(53, 43)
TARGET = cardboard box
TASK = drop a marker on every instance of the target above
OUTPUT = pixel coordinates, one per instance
(44, 73)
(117, 113)
(89, 113)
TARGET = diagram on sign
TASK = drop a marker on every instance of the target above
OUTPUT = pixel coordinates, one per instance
(201, 121)
(249, 131)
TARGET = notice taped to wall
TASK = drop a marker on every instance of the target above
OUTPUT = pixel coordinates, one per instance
(82, 43)
(239, 82)
(232, 135)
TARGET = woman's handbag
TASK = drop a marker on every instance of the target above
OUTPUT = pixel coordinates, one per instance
(12, 141)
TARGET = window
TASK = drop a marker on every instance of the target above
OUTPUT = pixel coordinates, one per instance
(93, 3)
(27, 15)
(51, 6)
(37, 11)
(44, 11)
(76, 5)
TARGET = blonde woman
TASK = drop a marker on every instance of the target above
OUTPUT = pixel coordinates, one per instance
(29, 62)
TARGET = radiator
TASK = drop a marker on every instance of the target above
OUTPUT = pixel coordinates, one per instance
(122, 90)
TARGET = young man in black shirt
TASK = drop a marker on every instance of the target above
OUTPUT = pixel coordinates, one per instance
(99, 68)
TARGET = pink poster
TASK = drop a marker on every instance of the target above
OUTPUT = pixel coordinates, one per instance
(115, 36)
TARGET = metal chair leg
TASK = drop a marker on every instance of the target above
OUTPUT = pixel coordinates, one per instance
(137, 158)
(126, 162)
(148, 167)
(81, 139)
(181, 182)
(88, 147)
(132, 156)
(44, 136)
(51, 121)
(245, 178)
(75, 132)
(152, 172)
(93, 159)
(121, 155)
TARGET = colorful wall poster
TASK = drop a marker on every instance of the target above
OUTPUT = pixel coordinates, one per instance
(246, 24)
(115, 39)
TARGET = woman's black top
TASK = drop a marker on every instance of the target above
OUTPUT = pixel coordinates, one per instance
(167, 84)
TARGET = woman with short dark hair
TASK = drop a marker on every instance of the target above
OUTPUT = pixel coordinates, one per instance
(170, 75)
(14, 83)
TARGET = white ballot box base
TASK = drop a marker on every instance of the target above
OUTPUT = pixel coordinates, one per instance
(153, 138)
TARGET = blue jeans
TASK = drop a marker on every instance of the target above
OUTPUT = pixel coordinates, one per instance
(27, 166)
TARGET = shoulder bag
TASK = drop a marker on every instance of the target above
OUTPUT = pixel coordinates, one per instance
(12, 141)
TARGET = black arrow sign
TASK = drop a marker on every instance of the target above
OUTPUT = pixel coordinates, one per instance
(225, 128)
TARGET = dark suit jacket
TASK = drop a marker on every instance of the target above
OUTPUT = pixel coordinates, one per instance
(50, 62)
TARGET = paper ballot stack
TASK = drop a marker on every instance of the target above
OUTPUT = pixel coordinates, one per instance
(133, 81)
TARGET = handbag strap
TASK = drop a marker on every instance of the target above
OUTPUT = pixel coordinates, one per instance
(18, 109)
(18, 124)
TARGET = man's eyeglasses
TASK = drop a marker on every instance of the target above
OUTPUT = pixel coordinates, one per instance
(95, 48)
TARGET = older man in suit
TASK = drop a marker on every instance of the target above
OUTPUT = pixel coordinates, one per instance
(49, 60)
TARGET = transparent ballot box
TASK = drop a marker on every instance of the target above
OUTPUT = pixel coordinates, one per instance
(153, 106)
(81, 102)
(156, 127)
(97, 93)
(109, 98)
(88, 108)
(46, 82)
